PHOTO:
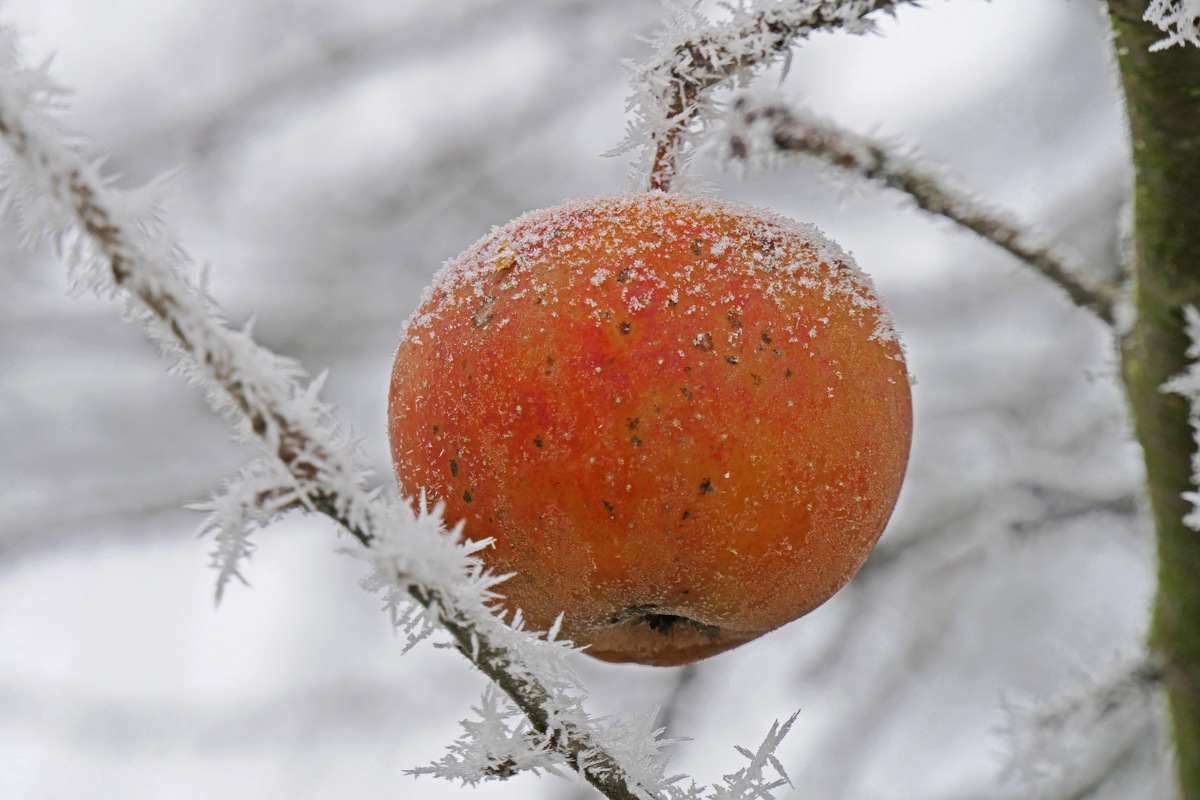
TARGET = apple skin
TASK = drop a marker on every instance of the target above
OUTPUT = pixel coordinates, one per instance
(684, 422)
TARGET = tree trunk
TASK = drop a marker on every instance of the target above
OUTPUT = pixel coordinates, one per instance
(1162, 95)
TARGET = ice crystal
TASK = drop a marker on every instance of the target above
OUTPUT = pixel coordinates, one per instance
(1187, 384)
(496, 746)
(1179, 19)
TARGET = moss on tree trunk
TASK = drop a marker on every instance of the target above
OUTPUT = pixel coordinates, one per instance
(1162, 91)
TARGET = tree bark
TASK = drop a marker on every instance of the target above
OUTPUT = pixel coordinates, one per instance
(1162, 96)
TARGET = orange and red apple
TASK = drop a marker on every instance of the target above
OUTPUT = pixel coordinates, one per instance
(684, 422)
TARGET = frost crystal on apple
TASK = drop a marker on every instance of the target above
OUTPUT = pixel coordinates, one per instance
(1179, 19)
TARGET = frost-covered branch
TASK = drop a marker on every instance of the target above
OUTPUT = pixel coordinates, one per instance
(1179, 19)
(1187, 384)
(762, 130)
(693, 55)
(114, 243)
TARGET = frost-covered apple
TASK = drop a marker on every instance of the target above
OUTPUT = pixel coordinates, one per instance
(684, 422)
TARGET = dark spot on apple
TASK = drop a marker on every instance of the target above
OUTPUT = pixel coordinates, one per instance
(686, 515)
(636, 441)
(453, 468)
(625, 328)
(706, 486)
(732, 359)
(704, 341)
(537, 441)
(467, 497)
(632, 422)
(623, 276)
(666, 624)
(734, 318)
(788, 374)
(756, 378)
(609, 507)
(485, 312)
(633, 612)
(766, 337)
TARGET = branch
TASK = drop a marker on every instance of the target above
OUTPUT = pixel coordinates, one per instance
(1071, 746)
(127, 254)
(761, 129)
(1164, 125)
(693, 55)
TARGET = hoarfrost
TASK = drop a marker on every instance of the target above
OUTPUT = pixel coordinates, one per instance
(1187, 384)
(1179, 19)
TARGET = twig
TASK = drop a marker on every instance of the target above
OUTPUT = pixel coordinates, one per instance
(760, 129)
(693, 56)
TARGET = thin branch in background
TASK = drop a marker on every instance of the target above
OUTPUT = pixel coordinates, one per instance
(685, 678)
(335, 63)
(693, 55)
(1071, 746)
(762, 129)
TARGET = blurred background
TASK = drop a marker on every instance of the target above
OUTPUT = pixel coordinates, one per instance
(326, 157)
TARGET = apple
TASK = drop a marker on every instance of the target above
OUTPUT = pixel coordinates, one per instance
(682, 421)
